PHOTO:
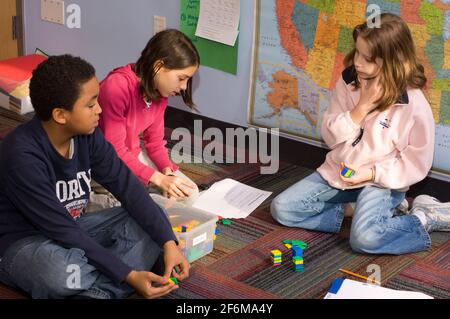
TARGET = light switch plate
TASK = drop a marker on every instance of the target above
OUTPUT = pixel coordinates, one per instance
(159, 24)
(52, 11)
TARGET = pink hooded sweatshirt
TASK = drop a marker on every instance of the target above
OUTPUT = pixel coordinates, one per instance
(126, 115)
(398, 143)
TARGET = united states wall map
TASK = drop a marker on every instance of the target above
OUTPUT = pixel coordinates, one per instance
(299, 54)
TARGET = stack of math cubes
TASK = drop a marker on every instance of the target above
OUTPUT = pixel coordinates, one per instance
(297, 258)
(297, 247)
(276, 257)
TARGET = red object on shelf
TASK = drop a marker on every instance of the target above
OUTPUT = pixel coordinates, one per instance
(16, 70)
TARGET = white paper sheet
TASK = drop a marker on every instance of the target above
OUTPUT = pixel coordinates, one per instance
(231, 199)
(219, 20)
(351, 289)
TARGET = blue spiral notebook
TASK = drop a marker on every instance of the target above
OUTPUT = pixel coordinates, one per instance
(351, 289)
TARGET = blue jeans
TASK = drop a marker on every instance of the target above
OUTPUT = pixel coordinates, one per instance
(42, 268)
(313, 204)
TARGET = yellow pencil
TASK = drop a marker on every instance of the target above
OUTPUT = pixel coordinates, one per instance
(360, 276)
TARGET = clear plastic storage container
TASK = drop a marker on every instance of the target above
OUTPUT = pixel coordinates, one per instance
(198, 238)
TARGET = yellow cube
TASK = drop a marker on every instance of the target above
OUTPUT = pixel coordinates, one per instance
(275, 252)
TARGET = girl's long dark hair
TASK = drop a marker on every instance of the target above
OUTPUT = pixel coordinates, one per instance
(174, 51)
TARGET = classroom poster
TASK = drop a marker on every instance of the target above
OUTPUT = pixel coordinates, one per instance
(213, 54)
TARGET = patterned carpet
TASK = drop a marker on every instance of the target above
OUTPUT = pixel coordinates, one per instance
(240, 266)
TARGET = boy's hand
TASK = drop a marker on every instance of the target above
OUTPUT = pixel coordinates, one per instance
(361, 174)
(149, 285)
(174, 259)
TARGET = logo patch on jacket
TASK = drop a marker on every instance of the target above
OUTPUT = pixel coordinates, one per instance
(77, 208)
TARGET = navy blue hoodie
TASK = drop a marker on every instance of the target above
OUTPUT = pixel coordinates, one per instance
(41, 192)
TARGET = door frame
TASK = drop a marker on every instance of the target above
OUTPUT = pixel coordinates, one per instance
(20, 27)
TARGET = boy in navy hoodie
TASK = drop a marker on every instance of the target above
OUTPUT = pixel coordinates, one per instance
(48, 247)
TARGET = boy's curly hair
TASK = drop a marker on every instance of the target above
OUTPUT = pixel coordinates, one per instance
(56, 83)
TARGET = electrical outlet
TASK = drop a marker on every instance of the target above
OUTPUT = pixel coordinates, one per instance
(159, 24)
(52, 11)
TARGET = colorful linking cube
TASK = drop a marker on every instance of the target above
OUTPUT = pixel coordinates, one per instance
(347, 172)
(298, 263)
(276, 257)
(298, 243)
(216, 232)
(226, 222)
(297, 258)
(186, 227)
(297, 247)
(173, 280)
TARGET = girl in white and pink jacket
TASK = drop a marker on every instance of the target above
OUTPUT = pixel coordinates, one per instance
(380, 125)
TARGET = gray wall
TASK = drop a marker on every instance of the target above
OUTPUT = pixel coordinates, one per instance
(113, 33)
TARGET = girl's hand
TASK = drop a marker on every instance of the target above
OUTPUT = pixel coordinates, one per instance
(148, 284)
(172, 186)
(371, 91)
(176, 264)
(361, 174)
(172, 200)
(167, 171)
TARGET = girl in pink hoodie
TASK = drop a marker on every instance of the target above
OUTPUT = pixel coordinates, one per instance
(380, 125)
(133, 99)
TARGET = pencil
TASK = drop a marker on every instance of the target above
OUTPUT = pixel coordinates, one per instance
(360, 276)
